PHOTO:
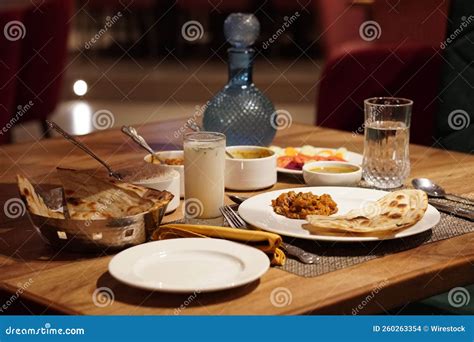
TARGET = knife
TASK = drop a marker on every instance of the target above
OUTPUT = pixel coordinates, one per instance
(455, 211)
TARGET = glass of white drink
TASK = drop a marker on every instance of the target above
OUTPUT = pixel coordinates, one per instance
(204, 163)
(386, 146)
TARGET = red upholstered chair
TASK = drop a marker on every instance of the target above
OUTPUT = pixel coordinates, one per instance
(360, 72)
(339, 23)
(33, 65)
(43, 57)
(9, 63)
(215, 5)
(405, 63)
(116, 5)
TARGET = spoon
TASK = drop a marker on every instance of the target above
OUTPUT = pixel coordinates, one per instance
(132, 133)
(83, 147)
(434, 190)
(237, 199)
(195, 127)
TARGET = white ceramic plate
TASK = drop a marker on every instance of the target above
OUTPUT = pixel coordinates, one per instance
(351, 157)
(258, 212)
(189, 265)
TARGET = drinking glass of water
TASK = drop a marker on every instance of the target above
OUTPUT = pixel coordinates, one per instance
(386, 146)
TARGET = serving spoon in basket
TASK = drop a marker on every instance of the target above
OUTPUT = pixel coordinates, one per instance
(83, 147)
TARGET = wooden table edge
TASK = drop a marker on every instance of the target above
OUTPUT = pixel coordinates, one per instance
(340, 301)
(37, 299)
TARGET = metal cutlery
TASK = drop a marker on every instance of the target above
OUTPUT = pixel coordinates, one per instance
(196, 128)
(455, 211)
(193, 126)
(132, 133)
(235, 221)
(83, 147)
(434, 190)
(237, 199)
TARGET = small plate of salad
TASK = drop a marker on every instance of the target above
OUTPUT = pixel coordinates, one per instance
(290, 160)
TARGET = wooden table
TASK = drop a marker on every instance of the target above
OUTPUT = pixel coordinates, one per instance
(66, 282)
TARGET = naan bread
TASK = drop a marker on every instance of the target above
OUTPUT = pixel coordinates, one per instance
(34, 201)
(159, 198)
(92, 197)
(394, 212)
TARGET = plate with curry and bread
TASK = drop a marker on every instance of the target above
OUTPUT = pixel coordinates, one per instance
(342, 214)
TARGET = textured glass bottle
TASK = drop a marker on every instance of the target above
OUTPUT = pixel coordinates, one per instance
(241, 111)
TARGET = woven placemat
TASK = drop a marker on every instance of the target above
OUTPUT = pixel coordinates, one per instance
(335, 256)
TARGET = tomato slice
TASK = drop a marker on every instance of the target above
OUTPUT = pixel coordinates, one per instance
(283, 161)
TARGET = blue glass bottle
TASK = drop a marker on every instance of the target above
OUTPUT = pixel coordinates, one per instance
(241, 111)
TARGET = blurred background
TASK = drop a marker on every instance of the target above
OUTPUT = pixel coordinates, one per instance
(152, 60)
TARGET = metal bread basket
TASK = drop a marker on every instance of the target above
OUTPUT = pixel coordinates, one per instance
(96, 235)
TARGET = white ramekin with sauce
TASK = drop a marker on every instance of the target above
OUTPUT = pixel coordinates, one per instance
(252, 168)
(173, 157)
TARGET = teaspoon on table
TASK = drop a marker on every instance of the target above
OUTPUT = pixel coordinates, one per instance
(83, 147)
(434, 190)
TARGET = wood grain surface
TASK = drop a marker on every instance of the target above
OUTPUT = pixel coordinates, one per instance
(67, 281)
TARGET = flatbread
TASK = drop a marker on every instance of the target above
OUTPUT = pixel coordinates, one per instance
(35, 202)
(92, 197)
(394, 212)
(159, 198)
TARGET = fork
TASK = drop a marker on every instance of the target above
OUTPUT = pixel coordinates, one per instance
(235, 221)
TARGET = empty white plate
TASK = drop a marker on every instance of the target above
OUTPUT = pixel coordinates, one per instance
(189, 265)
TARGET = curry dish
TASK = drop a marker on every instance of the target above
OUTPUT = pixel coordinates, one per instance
(174, 161)
(299, 205)
(169, 161)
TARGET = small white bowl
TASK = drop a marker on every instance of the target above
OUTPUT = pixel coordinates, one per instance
(250, 173)
(316, 178)
(160, 178)
(180, 168)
